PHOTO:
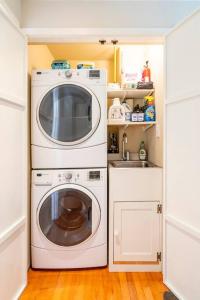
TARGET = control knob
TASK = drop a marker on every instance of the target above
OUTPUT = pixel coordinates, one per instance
(68, 74)
(68, 176)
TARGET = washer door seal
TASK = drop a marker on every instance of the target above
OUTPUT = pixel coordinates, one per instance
(68, 215)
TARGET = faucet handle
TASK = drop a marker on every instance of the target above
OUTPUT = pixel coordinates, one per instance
(125, 137)
(127, 155)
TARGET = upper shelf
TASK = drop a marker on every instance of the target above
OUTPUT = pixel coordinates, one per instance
(129, 93)
(123, 123)
(146, 125)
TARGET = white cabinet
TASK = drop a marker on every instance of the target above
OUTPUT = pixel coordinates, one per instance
(135, 198)
(136, 231)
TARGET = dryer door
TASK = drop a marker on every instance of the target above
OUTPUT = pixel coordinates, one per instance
(68, 215)
(68, 114)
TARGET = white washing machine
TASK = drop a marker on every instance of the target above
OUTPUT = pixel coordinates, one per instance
(69, 218)
(69, 119)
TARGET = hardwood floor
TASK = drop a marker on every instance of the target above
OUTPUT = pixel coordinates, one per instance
(93, 284)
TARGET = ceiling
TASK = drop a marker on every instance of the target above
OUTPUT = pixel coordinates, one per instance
(104, 14)
(74, 51)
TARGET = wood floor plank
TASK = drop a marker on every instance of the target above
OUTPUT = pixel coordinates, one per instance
(93, 284)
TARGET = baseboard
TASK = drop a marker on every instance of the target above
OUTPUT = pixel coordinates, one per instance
(20, 291)
(174, 291)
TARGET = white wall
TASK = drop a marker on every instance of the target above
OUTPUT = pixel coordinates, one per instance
(104, 14)
(13, 160)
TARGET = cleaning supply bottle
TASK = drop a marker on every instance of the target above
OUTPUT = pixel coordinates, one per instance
(116, 111)
(127, 110)
(136, 110)
(149, 113)
(142, 151)
(146, 74)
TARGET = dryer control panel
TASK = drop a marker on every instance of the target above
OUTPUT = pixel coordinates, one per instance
(80, 76)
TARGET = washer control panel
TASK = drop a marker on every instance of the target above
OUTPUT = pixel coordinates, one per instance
(94, 175)
(91, 177)
(64, 177)
(68, 73)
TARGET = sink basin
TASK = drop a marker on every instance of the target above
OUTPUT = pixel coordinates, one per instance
(131, 164)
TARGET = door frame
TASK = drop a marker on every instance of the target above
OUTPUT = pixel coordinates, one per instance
(93, 35)
(128, 35)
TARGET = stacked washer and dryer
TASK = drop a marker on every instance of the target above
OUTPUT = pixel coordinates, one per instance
(69, 162)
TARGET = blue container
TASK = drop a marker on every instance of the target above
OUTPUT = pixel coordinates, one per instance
(60, 64)
(150, 114)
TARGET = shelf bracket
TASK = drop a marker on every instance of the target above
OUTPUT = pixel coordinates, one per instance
(145, 128)
(125, 127)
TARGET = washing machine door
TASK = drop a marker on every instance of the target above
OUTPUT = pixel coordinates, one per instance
(68, 114)
(68, 215)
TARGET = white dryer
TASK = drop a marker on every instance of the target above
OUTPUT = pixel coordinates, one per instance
(69, 112)
(69, 218)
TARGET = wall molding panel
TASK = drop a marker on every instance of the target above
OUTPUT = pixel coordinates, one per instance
(13, 156)
(10, 100)
(186, 228)
(8, 233)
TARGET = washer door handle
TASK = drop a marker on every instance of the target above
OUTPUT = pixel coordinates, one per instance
(89, 213)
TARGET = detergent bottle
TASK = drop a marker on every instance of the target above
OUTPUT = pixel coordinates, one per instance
(116, 111)
(149, 113)
(127, 110)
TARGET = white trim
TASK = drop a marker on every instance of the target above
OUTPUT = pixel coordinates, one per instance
(171, 287)
(183, 97)
(11, 100)
(184, 20)
(20, 291)
(9, 16)
(4, 8)
(186, 228)
(164, 162)
(128, 35)
(12, 229)
(134, 268)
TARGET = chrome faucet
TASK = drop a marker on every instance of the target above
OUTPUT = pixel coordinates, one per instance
(125, 154)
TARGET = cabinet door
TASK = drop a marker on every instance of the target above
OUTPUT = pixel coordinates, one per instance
(136, 231)
(182, 160)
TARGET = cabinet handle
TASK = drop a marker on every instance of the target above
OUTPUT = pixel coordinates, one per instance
(116, 235)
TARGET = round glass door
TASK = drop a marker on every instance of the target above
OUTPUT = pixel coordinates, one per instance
(68, 114)
(65, 217)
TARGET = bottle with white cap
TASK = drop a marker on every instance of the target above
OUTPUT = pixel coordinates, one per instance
(116, 111)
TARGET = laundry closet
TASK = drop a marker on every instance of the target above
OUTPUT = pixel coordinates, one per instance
(115, 189)
(75, 153)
